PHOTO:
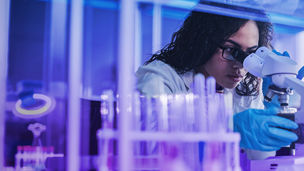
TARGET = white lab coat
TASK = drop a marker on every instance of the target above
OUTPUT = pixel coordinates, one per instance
(160, 78)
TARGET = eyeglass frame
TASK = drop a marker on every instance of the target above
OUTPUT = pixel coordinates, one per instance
(240, 56)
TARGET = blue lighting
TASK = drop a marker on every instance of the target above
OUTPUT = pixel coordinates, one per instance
(279, 28)
(287, 20)
(178, 9)
(108, 4)
(174, 14)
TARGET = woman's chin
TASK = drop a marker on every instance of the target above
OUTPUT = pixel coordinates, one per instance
(230, 85)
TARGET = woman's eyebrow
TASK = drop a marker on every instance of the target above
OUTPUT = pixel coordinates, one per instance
(239, 46)
(234, 43)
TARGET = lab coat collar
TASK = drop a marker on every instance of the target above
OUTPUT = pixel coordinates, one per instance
(188, 79)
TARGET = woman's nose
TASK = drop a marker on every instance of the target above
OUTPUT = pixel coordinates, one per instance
(237, 64)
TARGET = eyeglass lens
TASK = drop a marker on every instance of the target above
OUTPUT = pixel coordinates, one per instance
(234, 54)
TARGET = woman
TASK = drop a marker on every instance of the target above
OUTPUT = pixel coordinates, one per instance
(215, 45)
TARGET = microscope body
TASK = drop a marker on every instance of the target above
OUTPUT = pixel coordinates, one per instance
(283, 72)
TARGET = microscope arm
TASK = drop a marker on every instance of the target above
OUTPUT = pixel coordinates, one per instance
(264, 63)
(283, 72)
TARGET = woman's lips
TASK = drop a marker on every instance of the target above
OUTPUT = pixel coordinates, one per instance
(235, 78)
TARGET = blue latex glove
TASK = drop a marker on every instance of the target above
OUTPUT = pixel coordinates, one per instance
(285, 53)
(301, 73)
(259, 129)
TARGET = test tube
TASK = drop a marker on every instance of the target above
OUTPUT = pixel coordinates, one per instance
(107, 124)
(221, 114)
(189, 112)
(212, 104)
(175, 113)
(200, 103)
(162, 113)
(107, 109)
(199, 85)
(136, 112)
(190, 149)
(136, 125)
(228, 101)
(227, 114)
(211, 86)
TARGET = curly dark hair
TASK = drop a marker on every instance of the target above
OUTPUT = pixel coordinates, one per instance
(198, 39)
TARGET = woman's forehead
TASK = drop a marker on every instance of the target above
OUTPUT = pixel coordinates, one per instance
(247, 36)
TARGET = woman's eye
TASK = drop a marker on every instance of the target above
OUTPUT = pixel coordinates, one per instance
(253, 51)
(229, 49)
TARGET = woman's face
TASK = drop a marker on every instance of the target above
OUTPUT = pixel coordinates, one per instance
(227, 73)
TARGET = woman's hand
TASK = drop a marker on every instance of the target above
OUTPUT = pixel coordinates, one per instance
(263, 130)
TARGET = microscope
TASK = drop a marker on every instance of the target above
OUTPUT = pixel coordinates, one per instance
(283, 72)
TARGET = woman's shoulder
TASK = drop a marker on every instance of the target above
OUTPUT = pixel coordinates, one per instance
(155, 66)
(159, 69)
(158, 73)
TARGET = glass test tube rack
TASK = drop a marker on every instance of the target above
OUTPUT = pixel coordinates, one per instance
(172, 132)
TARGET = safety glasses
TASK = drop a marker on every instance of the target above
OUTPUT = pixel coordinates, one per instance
(234, 54)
